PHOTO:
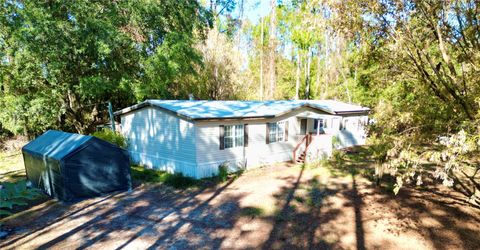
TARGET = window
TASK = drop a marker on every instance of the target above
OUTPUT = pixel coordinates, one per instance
(319, 122)
(276, 132)
(233, 136)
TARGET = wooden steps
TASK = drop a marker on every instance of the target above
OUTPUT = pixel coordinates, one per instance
(301, 158)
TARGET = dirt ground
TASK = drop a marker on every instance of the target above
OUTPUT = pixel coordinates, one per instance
(279, 207)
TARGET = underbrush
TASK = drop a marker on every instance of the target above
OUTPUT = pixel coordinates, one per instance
(112, 137)
(141, 174)
(355, 161)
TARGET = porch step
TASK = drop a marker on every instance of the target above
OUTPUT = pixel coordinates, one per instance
(301, 158)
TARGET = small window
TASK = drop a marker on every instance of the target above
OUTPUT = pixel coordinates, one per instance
(276, 132)
(233, 136)
(320, 122)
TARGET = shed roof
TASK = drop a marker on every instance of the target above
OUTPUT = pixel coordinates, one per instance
(198, 110)
(56, 144)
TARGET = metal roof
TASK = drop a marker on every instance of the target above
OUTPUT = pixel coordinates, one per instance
(56, 144)
(198, 110)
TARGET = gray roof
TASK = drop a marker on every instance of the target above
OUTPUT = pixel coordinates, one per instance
(200, 110)
(56, 144)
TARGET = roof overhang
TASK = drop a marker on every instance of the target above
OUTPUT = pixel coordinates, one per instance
(246, 117)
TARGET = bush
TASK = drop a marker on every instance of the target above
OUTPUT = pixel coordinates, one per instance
(112, 137)
(336, 142)
(338, 156)
(223, 172)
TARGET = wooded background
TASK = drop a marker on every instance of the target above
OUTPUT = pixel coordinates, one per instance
(416, 63)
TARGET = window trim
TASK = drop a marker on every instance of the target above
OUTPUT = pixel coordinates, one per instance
(320, 121)
(280, 130)
(238, 138)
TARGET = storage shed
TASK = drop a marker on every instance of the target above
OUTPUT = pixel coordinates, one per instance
(70, 166)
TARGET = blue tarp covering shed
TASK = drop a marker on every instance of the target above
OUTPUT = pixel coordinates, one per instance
(70, 166)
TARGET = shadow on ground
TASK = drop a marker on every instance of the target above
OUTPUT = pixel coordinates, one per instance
(160, 215)
(313, 208)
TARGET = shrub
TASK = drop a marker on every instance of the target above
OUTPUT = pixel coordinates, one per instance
(223, 172)
(112, 137)
(338, 156)
(336, 142)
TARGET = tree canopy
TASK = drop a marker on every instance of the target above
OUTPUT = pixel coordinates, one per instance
(415, 63)
(61, 61)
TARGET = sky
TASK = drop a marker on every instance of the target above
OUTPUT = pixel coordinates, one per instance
(254, 9)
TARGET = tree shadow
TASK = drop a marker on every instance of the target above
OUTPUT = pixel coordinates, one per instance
(13, 175)
(149, 211)
(307, 213)
(357, 205)
(440, 215)
(441, 219)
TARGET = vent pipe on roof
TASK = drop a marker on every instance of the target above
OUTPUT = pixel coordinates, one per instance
(191, 97)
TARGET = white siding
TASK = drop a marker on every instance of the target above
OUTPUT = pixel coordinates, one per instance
(160, 140)
(209, 155)
(354, 132)
(321, 146)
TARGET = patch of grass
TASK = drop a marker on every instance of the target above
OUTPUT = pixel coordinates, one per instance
(146, 175)
(180, 181)
(299, 199)
(141, 174)
(252, 212)
(11, 166)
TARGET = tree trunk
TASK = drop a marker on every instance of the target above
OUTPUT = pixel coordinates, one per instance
(272, 47)
(307, 75)
(261, 59)
(325, 67)
(297, 82)
(317, 78)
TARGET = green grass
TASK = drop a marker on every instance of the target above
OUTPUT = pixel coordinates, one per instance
(141, 174)
(145, 175)
(252, 212)
(11, 166)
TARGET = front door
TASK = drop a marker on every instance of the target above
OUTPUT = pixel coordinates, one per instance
(303, 126)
